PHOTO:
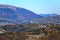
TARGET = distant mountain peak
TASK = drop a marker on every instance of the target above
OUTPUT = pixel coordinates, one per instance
(48, 15)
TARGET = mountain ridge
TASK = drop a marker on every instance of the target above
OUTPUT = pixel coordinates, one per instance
(17, 14)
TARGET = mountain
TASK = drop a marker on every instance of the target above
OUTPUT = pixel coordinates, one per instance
(48, 15)
(11, 14)
(49, 18)
(17, 15)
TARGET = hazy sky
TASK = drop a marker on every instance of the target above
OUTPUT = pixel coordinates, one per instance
(37, 6)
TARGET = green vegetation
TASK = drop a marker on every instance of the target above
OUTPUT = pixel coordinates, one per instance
(50, 32)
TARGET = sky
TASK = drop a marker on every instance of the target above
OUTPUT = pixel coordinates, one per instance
(37, 6)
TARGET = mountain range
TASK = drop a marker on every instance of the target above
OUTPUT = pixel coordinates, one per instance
(17, 15)
(48, 15)
(50, 18)
(11, 14)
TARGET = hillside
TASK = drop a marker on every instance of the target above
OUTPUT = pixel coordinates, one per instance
(14, 14)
